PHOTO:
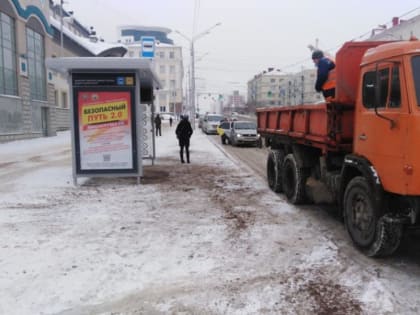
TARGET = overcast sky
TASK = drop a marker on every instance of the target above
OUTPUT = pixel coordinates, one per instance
(253, 35)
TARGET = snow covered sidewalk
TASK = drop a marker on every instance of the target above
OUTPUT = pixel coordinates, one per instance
(200, 238)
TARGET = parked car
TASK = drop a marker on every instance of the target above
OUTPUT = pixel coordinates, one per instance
(200, 121)
(166, 116)
(223, 131)
(244, 133)
(210, 123)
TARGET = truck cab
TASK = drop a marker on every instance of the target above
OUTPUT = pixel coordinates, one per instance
(387, 116)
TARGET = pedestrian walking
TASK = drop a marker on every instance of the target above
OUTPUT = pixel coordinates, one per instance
(170, 121)
(158, 125)
(183, 132)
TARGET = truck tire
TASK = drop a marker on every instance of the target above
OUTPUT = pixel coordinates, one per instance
(294, 179)
(274, 164)
(376, 235)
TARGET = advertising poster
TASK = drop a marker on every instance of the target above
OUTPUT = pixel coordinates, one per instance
(105, 130)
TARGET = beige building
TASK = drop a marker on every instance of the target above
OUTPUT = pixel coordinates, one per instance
(26, 99)
(33, 100)
(167, 64)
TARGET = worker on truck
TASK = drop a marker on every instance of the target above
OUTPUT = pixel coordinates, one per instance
(325, 80)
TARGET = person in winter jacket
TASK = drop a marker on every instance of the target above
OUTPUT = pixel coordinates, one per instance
(158, 125)
(325, 80)
(183, 132)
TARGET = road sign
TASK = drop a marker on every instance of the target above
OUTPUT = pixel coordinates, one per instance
(147, 46)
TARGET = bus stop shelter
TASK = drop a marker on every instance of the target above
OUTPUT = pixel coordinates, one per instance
(111, 112)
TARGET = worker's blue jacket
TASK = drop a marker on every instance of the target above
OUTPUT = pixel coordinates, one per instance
(325, 65)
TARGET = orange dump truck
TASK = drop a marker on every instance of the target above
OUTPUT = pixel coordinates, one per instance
(360, 150)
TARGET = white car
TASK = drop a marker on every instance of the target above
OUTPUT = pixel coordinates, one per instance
(166, 116)
(210, 123)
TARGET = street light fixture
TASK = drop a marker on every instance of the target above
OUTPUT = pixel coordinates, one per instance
(192, 84)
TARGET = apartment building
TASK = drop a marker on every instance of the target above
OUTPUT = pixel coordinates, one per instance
(167, 64)
(235, 103)
(275, 88)
(299, 88)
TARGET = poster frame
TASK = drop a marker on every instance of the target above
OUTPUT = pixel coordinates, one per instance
(133, 130)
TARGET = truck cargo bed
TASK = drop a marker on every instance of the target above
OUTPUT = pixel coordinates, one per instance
(328, 126)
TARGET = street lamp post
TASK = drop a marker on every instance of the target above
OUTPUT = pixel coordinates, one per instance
(192, 54)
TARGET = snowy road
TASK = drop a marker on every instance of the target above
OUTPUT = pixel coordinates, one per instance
(203, 238)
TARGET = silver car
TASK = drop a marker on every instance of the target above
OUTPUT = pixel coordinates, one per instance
(244, 133)
(210, 123)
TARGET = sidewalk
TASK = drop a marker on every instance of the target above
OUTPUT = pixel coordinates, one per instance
(200, 238)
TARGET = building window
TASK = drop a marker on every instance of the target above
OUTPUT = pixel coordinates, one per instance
(56, 98)
(172, 69)
(162, 109)
(171, 55)
(162, 69)
(172, 84)
(8, 82)
(36, 66)
(161, 54)
(64, 102)
(272, 80)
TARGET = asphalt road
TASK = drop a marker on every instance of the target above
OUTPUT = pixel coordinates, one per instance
(406, 257)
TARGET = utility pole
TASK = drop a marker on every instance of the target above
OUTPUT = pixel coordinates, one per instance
(192, 55)
(192, 85)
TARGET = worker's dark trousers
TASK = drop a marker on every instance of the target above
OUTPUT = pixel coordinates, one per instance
(329, 93)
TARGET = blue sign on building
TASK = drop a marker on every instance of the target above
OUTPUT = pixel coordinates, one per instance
(147, 47)
(120, 81)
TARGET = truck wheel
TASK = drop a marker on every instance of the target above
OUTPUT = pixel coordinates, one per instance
(294, 179)
(374, 234)
(274, 164)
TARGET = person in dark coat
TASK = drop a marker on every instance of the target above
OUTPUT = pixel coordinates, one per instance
(158, 125)
(183, 133)
(170, 121)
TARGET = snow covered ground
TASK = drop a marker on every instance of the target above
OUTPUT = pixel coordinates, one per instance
(202, 238)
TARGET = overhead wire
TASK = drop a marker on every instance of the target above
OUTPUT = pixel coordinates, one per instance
(306, 59)
(354, 39)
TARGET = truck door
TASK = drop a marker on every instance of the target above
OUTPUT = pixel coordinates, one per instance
(380, 133)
